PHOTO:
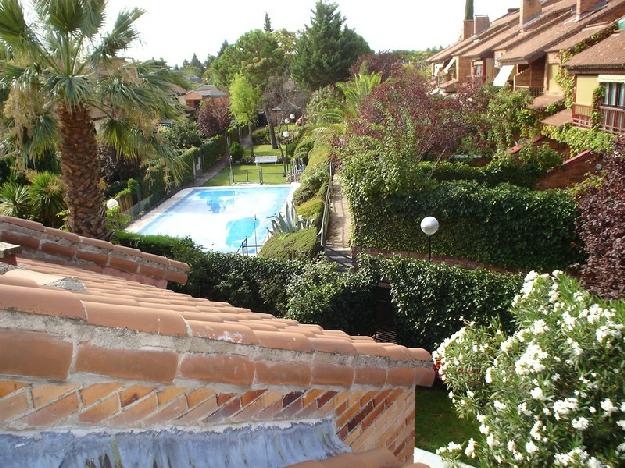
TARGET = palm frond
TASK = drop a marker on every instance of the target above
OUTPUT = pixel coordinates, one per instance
(119, 38)
(43, 137)
(72, 90)
(17, 34)
(64, 16)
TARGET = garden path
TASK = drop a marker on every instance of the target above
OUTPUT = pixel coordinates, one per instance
(216, 169)
(338, 244)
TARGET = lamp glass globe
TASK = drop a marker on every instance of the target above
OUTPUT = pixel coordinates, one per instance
(429, 225)
(112, 203)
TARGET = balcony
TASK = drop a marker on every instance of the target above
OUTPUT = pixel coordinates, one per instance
(533, 91)
(612, 119)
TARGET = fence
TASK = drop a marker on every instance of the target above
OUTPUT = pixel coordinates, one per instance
(325, 220)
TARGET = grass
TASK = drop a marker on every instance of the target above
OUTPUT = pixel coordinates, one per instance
(437, 423)
(272, 175)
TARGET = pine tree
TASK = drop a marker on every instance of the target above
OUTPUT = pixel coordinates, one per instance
(268, 27)
(468, 10)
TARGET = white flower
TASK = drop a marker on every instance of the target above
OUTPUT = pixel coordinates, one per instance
(491, 441)
(522, 409)
(531, 360)
(594, 463)
(539, 326)
(484, 429)
(592, 409)
(621, 447)
(623, 407)
(535, 431)
(606, 332)
(481, 418)
(562, 408)
(530, 447)
(511, 446)
(621, 424)
(470, 450)
(562, 459)
(470, 394)
(608, 406)
(580, 423)
(499, 405)
(537, 393)
(488, 378)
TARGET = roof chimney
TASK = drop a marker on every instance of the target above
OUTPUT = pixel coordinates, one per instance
(482, 23)
(530, 9)
(468, 28)
(586, 6)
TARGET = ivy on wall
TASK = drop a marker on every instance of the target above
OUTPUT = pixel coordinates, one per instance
(581, 139)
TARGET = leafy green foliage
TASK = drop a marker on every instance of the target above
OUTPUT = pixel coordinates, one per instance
(324, 106)
(311, 184)
(236, 152)
(46, 194)
(509, 118)
(244, 100)
(14, 200)
(507, 226)
(326, 49)
(289, 222)
(298, 245)
(581, 139)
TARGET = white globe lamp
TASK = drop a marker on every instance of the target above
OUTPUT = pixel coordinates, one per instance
(112, 204)
(429, 226)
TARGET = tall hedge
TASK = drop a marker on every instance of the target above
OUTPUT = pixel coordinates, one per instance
(508, 226)
(430, 301)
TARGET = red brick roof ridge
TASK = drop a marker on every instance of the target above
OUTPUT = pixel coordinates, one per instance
(54, 245)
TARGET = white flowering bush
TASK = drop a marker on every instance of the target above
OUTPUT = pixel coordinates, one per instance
(551, 394)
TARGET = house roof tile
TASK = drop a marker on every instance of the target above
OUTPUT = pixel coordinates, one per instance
(539, 44)
(609, 53)
(117, 311)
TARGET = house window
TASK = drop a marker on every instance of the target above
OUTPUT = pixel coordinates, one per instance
(614, 94)
(479, 69)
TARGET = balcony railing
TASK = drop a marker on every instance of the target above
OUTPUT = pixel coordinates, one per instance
(582, 115)
(533, 91)
(613, 119)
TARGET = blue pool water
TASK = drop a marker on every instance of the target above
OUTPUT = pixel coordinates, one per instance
(220, 218)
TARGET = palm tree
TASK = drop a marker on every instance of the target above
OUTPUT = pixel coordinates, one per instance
(14, 200)
(63, 74)
(46, 194)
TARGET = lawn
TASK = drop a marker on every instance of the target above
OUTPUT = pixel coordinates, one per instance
(272, 175)
(437, 423)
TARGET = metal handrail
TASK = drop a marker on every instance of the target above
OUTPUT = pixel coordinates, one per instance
(325, 220)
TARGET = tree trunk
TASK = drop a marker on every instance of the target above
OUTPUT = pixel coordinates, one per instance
(249, 126)
(272, 130)
(81, 172)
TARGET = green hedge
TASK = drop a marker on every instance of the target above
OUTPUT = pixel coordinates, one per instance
(507, 226)
(431, 300)
(523, 169)
(296, 245)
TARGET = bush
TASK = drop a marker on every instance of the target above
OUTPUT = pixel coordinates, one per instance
(212, 151)
(507, 226)
(236, 152)
(581, 139)
(602, 228)
(556, 383)
(434, 300)
(261, 136)
(116, 219)
(311, 184)
(312, 209)
(303, 149)
(322, 295)
(301, 244)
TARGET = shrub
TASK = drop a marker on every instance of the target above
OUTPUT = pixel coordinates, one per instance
(236, 152)
(301, 244)
(312, 209)
(509, 118)
(581, 139)
(116, 219)
(602, 228)
(507, 226)
(46, 194)
(556, 383)
(322, 295)
(312, 182)
(303, 149)
(260, 136)
(212, 151)
(434, 300)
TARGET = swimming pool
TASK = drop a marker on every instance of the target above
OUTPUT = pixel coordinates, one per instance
(218, 218)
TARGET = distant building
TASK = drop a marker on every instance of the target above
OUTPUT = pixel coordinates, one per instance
(195, 97)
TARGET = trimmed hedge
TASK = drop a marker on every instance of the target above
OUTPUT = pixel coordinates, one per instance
(296, 245)
(431, 300)
(507, 226)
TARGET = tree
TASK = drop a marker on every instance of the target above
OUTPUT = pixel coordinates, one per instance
(386, 64)
(61, 70)
(268, 27)
(602, 228)
(46, 196)
(356, 90)
(244, 102)
(468, 10)
(326, 49)
(215, 118)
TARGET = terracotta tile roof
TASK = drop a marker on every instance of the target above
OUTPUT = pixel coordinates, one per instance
(544, 100)
(513, 34)
(379, 458)
(496, 27)
(581, 36)
(142, 332)
(534, 47)
(609, 54)
(560, 119)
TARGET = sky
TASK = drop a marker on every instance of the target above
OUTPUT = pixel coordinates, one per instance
(174, 30)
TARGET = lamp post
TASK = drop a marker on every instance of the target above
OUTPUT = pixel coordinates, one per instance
(285, 155)
(429, 226)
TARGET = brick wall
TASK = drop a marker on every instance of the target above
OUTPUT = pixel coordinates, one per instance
(573, 170)
(79, 365)
(38, 241)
